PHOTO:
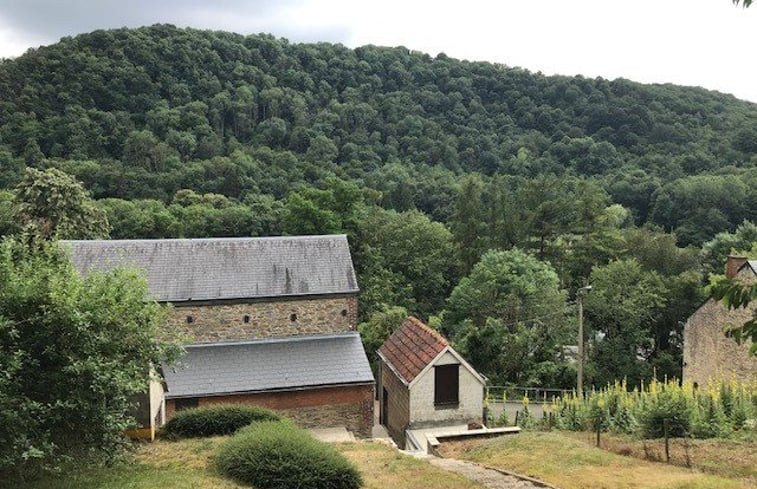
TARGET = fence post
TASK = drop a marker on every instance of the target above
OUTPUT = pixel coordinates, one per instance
(666, 425)
(598, 423)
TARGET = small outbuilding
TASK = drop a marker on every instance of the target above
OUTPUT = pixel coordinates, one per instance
(425, 383)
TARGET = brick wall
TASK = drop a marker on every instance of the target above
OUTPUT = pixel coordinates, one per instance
(707, 352)
(299, 316)
(349, 406)
(398, 404)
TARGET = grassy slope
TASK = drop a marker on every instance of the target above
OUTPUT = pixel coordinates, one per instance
(187, 465)
(575, 464)
(728, 458)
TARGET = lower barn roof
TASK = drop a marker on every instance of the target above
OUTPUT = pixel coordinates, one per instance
(268, 364)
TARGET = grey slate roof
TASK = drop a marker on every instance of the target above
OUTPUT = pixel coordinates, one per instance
(268, 364)
(227, 268)
(753, 265)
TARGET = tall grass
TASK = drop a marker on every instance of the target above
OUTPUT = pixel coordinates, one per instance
(723, 409)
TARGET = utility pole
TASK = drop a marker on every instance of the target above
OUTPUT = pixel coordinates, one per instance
(580, 303)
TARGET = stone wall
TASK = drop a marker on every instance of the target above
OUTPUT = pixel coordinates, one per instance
(470, 408)
(708, 353)
(398, 404)
(348, 406)
(263, 319)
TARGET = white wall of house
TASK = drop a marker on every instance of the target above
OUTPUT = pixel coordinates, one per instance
(471, 395)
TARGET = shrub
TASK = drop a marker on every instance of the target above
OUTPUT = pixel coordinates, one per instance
(718, 411)
(278, 455)
(215, 420)
(669, 405)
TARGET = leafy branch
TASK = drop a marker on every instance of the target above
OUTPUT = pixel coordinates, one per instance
(734, 295)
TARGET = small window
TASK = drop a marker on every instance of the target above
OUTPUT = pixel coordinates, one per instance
(246, 318)
(190, 319)
(293, 317)
(344, 312)
(187, 403)
(446, 385)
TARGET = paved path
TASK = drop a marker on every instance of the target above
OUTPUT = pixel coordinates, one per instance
(491, 479)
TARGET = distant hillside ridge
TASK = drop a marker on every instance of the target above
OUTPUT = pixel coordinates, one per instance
(147, 104)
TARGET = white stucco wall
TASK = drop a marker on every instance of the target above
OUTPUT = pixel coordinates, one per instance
(157, 401)
(471, 394)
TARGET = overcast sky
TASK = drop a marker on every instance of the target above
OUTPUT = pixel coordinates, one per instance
(708, 43)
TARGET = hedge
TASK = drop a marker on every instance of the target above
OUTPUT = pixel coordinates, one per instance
(215, 420)
(278, 455)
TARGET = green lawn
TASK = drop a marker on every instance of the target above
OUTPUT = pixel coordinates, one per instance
(187, 464)
(572, 463)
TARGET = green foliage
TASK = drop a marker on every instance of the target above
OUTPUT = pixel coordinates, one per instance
(624, 301)
(52, 204)
(721, 410)
(214, 420)
(735, 294)
(716, 250)
(378, 328)
(278, 455)
(405, 259)
(73, 351)
(509, 318)
(510, 286)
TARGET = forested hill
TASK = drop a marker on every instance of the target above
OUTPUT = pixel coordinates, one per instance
(136, 112)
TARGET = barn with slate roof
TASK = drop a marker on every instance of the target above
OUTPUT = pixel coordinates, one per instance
(424, 382)
(271, 321)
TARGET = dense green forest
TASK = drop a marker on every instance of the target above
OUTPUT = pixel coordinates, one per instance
(476, 196)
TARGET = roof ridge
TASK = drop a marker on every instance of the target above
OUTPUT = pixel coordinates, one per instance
(209, 239)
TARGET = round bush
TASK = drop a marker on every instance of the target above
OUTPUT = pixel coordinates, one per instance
(278, 455)
(215, 420)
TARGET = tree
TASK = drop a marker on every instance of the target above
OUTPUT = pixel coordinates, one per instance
(620, 310)
(414, 253)
(73, 351)
(745, 3)
(508, 317)
(51, 203)
(716, 250)
(378, 328)
(511, 286)
(734, 296)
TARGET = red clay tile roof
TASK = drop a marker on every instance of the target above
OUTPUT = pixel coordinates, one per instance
(411, 348)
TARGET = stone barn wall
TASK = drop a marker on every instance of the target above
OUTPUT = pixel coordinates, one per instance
(263, 319)
(707, 352)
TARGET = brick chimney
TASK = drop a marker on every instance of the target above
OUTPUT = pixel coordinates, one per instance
(732, 265)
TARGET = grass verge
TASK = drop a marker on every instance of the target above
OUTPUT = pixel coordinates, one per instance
(572, 463)
(187, 464)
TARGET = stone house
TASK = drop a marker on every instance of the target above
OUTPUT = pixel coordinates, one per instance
(236, 300)
(424, 382)
(707, 353)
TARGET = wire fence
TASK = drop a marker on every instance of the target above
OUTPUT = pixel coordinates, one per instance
(535, 395)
